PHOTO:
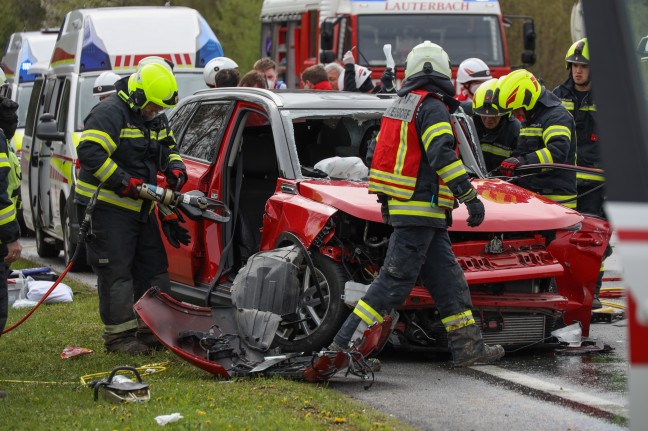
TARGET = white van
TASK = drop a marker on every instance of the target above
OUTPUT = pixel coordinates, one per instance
(23, 50)
(92, 41)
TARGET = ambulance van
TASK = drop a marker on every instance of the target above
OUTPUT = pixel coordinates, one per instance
(91, 41)
(24, 50)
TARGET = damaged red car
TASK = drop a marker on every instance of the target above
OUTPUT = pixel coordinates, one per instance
(286, 164)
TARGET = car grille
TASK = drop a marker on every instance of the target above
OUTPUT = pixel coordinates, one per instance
(516, 329)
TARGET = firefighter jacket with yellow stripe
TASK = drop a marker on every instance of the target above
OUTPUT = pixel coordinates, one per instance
(9, 228)
(415, 162)
(497, 144)
(118, 144)
(587, 138)
(546, 137)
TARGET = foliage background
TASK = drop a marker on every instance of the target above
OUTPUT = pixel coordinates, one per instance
(237, 25)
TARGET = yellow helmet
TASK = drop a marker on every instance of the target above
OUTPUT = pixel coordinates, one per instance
(578, 53)
(484, 102)
(154, 83)
(428, 58)
(518, 89)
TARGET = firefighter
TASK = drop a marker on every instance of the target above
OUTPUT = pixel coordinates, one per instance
(215, 66)
(576, 96)
(497, 131)
(472, 72)
(104, 85)
(545, 136)
(124, 144)
(419, 179)
(10, 247)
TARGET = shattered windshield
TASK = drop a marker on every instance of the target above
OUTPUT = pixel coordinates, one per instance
(321, 135)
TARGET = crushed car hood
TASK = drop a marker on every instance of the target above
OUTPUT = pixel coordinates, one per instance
(509, 208)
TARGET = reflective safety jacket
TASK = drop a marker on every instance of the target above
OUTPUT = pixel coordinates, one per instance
(587, 137)
(118, 144)
(546, 137)
(415, 162)
(497, 144)
(9, 229)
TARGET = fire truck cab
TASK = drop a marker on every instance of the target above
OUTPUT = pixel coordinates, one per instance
(299, 33)
(90, 42)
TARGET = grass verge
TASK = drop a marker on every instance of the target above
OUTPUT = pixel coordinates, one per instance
(45, 390)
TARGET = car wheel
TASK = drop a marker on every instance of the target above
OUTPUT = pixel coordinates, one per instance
(45, 249)
(69, 247)
(318, 320)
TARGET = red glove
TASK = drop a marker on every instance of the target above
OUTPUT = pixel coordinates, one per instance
(130, 188)
(177, 179)
(508, 166)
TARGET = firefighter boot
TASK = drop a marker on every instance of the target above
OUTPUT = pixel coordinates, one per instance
(124, 342)
(468, 347)
(145, 336)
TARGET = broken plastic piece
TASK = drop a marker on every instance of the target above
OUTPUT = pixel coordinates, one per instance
(571, 334)
(167, 419)
(73, 352)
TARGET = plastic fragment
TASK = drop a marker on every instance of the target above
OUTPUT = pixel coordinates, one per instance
(166, 419)
(73, 352)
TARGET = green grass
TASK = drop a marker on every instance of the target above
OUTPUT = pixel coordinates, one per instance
(45, 391)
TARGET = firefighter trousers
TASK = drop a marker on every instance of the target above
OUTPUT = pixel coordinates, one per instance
(414, 251)
(4, 290)
(128, 257)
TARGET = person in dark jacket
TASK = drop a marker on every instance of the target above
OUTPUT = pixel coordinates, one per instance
(576, 96)
(545, 136)
(126, 142)
(416, 172)
(10, 247)
(498, 132)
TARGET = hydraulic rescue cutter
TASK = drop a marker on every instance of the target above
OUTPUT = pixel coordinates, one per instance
(235, 341)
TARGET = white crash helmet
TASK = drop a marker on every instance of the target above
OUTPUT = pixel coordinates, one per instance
(361, 75)
(105, 83)
(214, 65)
(473, 69)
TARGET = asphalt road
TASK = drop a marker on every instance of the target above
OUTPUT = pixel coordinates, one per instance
(533, 391)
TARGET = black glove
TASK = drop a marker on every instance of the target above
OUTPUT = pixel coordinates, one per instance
(476, 212)
(388, 80)
(508, 166)
(174, 232)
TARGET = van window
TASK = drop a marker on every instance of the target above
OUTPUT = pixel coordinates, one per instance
(33, 105)
(62, 114)
(203, 136)
(85, 100)
(24, 94)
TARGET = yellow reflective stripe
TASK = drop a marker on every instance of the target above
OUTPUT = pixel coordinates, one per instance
(7, 214)
(101, 138)
(553, 131)
(365, 312)
(131, 133)
(402, 149)
(175, 158)
(452, 171)
(4, 161)
(459, 320)
(568, 104)
(393, 178)
(163, 134)
(531, 131)
(591, 108)
(122, 327)
(589, 177)
(493, 149)
(415, 208)
(435, 130)
(108, 196)
(560, 198)
(544, 155)
(467, 195)
(445, 198)
(389, 190)
(106, 170)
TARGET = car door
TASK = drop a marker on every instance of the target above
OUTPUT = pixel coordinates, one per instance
(199, 129)
(26, 189)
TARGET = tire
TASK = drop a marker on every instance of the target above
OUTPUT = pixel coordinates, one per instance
(80, 264)
(318, 322)
(43, 248)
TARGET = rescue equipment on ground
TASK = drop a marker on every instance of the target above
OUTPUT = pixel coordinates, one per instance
(120, 388)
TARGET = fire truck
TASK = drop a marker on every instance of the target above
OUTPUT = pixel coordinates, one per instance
(299, 33)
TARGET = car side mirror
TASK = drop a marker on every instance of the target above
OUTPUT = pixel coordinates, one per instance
(642, 48)
(47, 129)
(326, 36)
(327, 57)
(529, 36)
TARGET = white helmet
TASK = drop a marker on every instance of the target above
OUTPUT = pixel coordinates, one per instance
(105, 84)
(213, 66)
(361, 75)
(427, 59)
(473, 69)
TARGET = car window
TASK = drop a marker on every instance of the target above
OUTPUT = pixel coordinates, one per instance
(64, 105)
(202, 137)
(178, 119)
(33, 105)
